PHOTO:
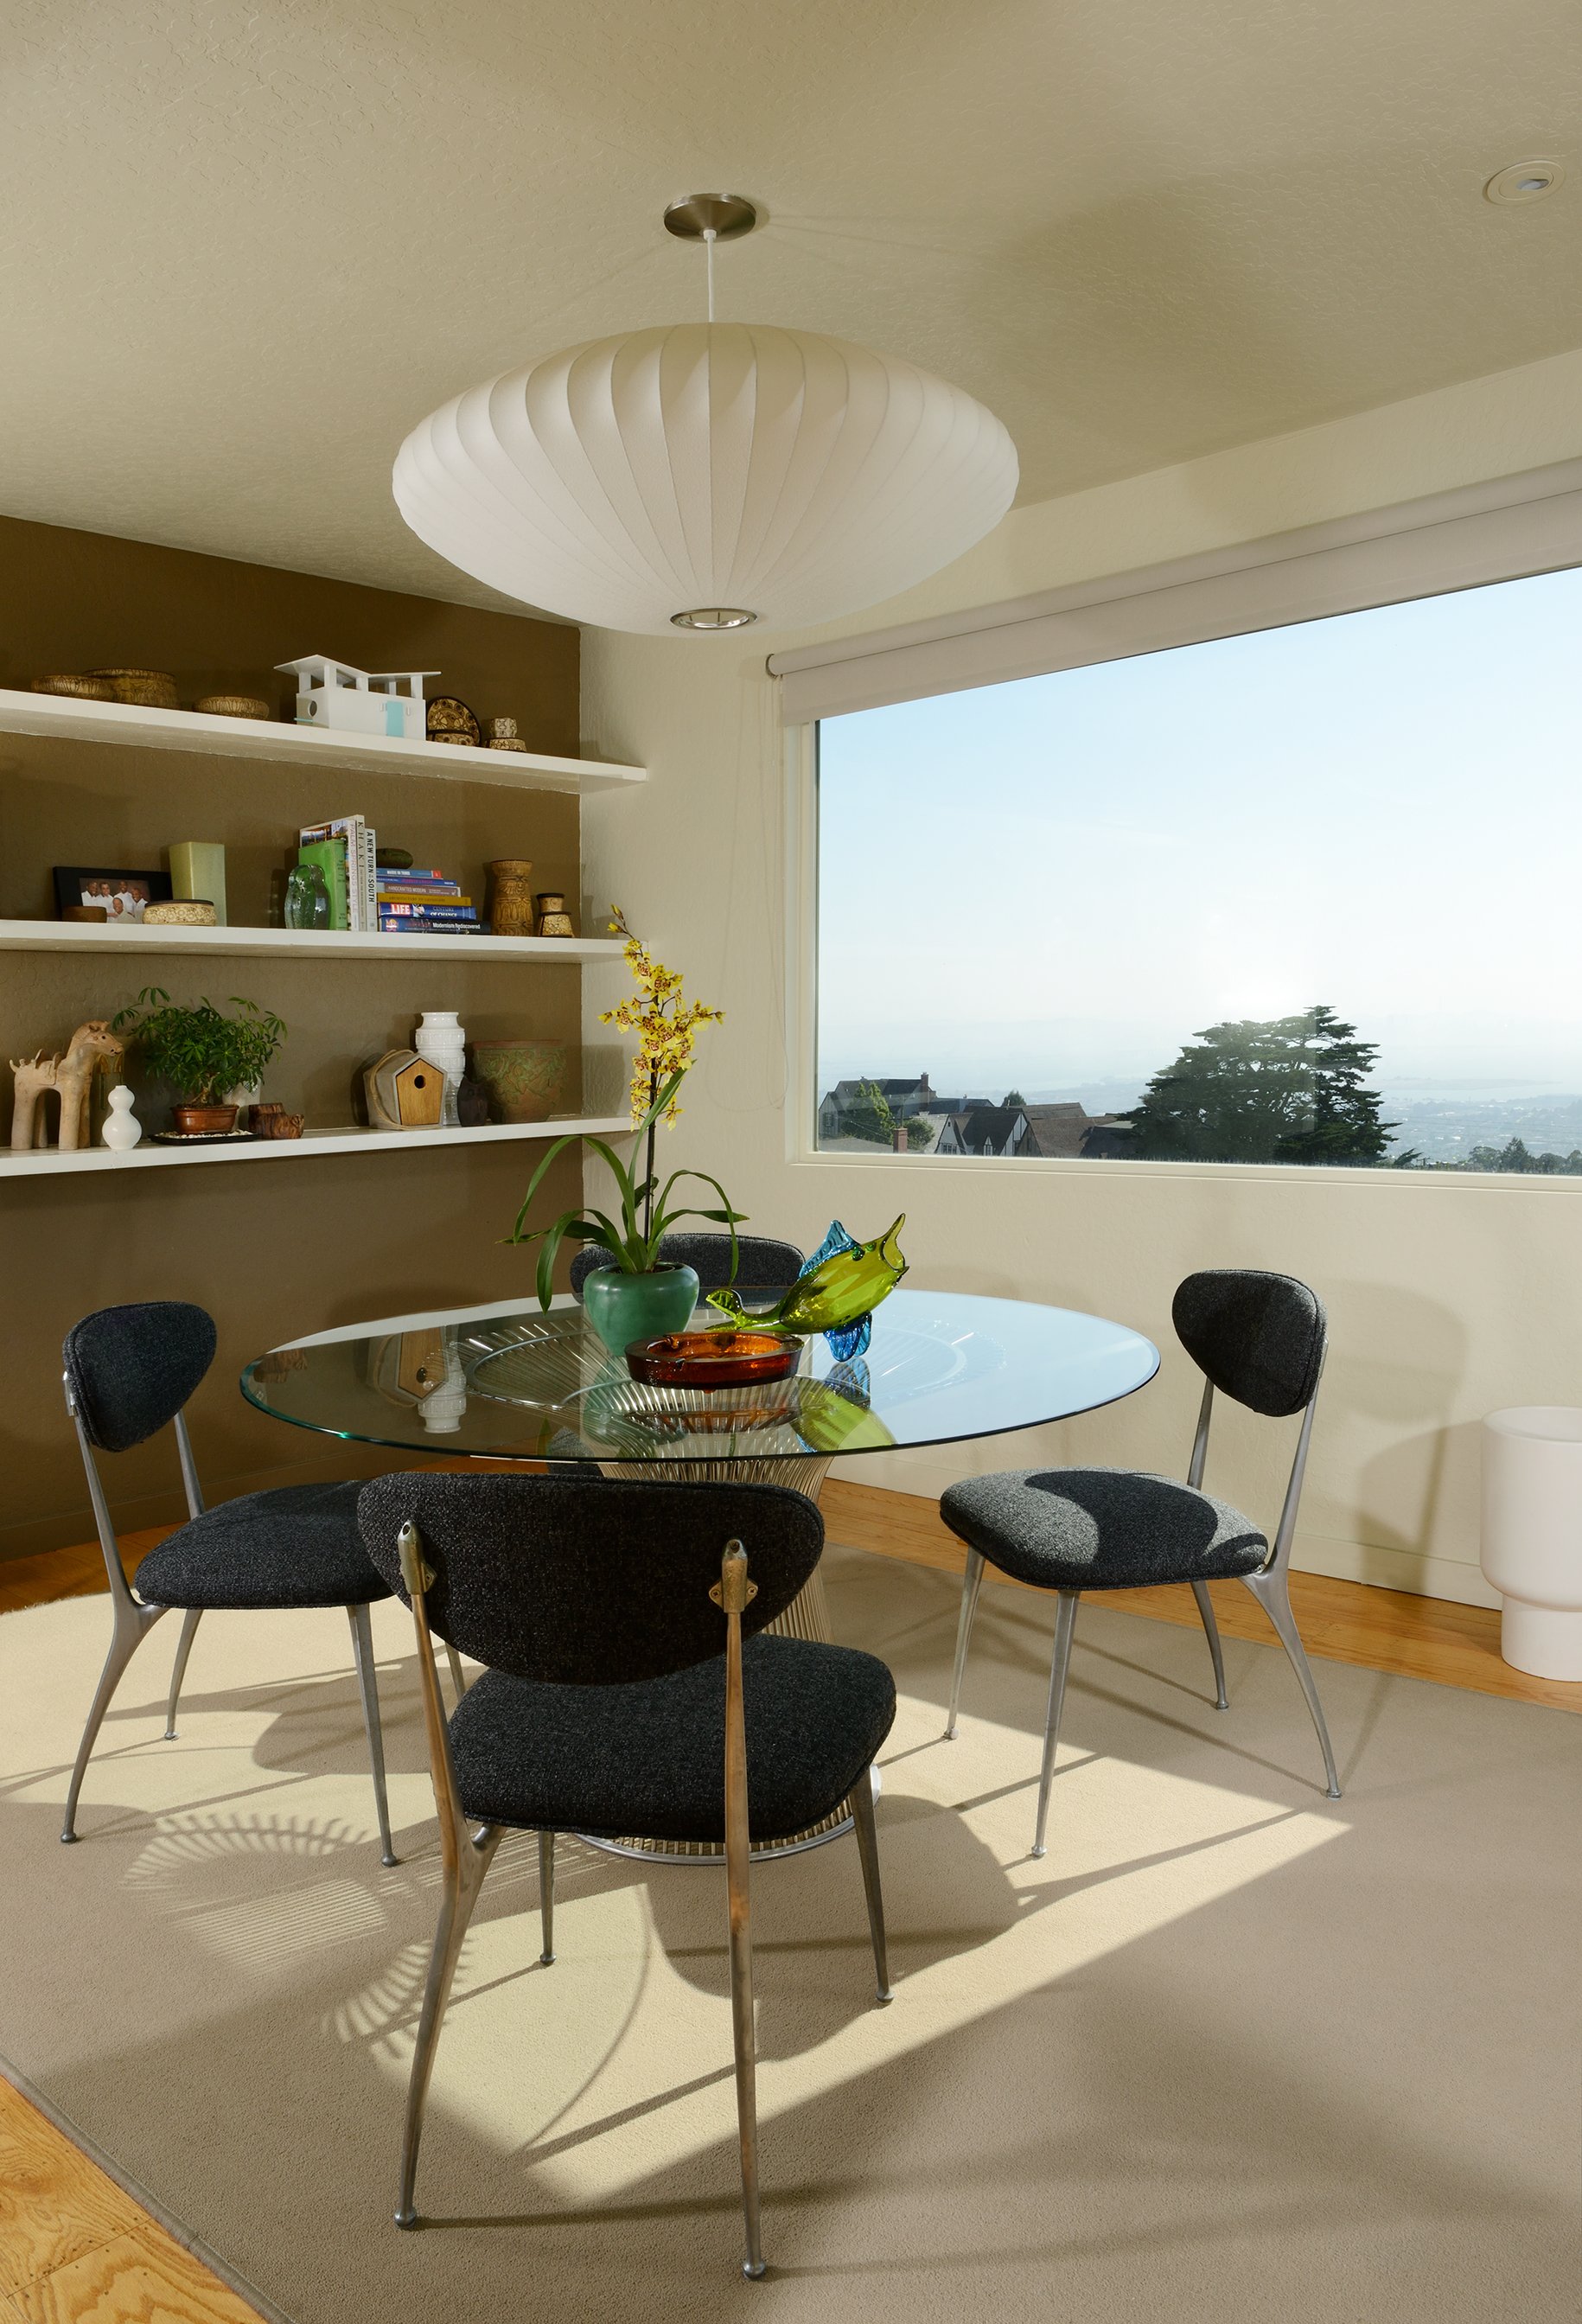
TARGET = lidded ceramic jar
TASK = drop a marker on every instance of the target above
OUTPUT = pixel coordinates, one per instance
(511, 902)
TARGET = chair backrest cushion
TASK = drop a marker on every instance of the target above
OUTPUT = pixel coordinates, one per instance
(763, 1263)
(130, 1370)
(588, 1581)
(1259, 1337)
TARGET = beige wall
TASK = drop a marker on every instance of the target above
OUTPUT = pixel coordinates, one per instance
(273, 1248)
(1448, 1297)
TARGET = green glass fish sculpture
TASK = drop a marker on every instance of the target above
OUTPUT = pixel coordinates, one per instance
(833, 1297)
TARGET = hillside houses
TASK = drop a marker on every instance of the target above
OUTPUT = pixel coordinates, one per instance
(981, 1126)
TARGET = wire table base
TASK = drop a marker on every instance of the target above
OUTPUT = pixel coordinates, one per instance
(806, 1617)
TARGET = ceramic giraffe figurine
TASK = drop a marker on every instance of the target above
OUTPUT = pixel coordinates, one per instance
(69, 1077)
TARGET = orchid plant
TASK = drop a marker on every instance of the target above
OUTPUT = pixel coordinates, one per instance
(667, 1029)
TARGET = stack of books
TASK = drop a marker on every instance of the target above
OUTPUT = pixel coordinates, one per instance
(425, 903)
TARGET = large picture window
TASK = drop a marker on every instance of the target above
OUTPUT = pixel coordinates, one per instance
(1308, 896)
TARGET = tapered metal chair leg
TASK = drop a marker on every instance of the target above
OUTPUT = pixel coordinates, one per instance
(456, 1680)
(867, 1850)
(368, 1686)
(132, 1623)
(1274, 1595)
(972, 1583)
(1065, 1623)
(457, 1899)
(1211, 1632)
(189, 1622)
(546, 1895)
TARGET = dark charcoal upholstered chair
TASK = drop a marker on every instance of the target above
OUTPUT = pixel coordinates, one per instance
(129, 1371)
(1260, 1339)
(762, 1263)
(619, 1700)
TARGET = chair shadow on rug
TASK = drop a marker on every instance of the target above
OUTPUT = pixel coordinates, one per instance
(1109, 1676)
(806, 1919)
(314, 1728)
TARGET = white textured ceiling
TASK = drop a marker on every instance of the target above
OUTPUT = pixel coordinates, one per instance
(246, 246)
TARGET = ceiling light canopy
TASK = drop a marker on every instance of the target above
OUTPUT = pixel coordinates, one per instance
(704, 477)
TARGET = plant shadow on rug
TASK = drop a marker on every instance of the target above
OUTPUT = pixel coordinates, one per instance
(1230, 2050)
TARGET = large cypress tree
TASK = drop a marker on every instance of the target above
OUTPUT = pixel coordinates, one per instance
(1290, 1089)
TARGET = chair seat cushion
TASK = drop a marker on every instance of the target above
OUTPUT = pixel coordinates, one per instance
(647, 1760)
(295, 1546)
(1101, 1528)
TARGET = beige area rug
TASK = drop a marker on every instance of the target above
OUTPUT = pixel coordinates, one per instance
(1231, 2052)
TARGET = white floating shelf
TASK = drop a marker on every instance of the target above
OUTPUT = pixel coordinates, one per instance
(302, 746)
(327, 944)
(48, 1162)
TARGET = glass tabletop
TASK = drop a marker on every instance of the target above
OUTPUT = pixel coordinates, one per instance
(521, 1385)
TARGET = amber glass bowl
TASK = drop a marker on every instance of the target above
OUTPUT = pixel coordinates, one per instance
(713, 1359)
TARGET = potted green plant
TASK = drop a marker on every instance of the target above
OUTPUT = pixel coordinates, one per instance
(202, 1053)
(641, 1295)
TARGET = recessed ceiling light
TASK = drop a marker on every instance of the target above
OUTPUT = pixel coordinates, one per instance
(1524, 181)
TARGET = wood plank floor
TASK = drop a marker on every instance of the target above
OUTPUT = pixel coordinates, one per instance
(1343, 1621)
(74, 2249)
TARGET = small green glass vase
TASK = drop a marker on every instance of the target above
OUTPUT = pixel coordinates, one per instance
(624, 1307)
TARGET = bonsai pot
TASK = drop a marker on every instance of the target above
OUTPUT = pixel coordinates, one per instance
(203, 1121)
(624, 1307)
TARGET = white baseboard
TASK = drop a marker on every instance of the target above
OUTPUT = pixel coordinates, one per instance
(1385, 1568)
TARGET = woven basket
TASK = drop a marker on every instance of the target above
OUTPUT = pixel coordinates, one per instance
(81, 689)
(150, 689)
(233, 706)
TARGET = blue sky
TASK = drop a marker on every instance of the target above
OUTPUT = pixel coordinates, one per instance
(1057, 880)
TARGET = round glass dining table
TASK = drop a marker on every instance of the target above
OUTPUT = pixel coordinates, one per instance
(514, 1383)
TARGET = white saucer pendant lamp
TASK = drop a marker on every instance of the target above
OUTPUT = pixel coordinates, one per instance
(706, 475)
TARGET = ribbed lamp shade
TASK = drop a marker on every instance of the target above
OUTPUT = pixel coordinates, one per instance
(707, 471)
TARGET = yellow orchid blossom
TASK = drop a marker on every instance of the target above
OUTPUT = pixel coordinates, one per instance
(665, 1026)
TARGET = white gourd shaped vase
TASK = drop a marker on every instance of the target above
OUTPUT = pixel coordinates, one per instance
(122, 1129)
(441, 1041)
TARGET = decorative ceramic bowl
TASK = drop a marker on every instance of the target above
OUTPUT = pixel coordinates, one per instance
(525, 1079)
(233, 706)
(713, 1359)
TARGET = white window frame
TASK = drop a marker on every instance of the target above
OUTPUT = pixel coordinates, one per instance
(1509, 530)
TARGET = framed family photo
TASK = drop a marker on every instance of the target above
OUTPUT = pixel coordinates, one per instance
(123, 895)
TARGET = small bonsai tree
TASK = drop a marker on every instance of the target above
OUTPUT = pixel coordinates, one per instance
(200, 1051)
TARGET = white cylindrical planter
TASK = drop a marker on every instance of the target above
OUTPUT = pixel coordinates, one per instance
(1532, 1535)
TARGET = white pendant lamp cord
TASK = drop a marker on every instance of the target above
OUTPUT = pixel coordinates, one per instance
(709, 238)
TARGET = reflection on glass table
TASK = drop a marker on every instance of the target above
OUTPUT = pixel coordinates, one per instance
(516, 1384)
(524, 1386)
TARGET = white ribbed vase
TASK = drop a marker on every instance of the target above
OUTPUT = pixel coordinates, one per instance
(777, 474)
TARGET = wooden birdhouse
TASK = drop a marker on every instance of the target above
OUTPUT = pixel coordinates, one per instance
(404, 1091)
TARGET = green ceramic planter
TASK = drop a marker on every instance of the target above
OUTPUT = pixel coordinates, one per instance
(624, 1307)
(526, 1080)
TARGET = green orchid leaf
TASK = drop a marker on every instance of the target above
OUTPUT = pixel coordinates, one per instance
(535, 1182)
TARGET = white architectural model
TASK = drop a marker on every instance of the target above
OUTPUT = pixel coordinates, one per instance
(359, 701)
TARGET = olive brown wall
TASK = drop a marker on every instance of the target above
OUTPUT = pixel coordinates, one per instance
(273, 1247)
